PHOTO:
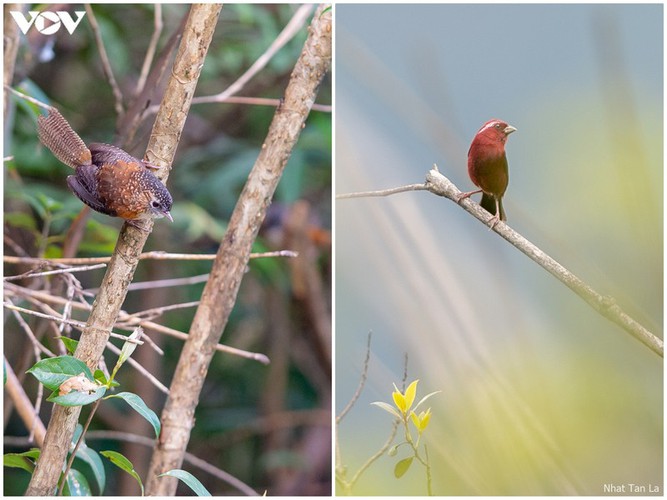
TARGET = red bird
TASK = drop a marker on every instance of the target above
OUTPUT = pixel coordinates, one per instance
(487, 167)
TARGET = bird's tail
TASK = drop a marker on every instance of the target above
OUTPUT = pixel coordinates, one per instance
(57, 135)
(488, 203)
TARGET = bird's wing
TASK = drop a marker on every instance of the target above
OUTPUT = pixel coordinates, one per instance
(84, 184)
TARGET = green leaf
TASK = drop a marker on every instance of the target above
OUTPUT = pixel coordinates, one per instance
(128, 348)
(77, 484)
(92, 458)
(25, 460)
(393, 450)
(53, 372)
(70, 344)
(402, 467)
(140, 407)
(124, 464)
(130, 345)
(77, 398)
(100, 377)
(387, 407)
(190, 480)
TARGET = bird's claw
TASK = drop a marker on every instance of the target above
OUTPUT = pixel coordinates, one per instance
(468, 194)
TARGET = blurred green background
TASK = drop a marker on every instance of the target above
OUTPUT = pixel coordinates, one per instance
(267, 425)
(540, 395)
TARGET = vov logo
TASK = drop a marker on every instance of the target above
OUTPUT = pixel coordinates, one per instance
(47, 22)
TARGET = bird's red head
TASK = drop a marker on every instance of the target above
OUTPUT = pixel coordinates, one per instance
(494, 132)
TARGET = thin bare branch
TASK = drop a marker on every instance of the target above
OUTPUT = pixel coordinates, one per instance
(35, 274)
(254, 356)
(152, 47)
(149, 376)
(289, 31)
(265, 101)
(34, 101)
(123, 319)
(362, 382)
(156, 312)
(23, 405)
(167, 283)
(77, 324)
(154, 255)
(37, 345)
(383, 192)
(104, 58)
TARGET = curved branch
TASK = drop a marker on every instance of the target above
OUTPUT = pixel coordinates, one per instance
(438, 184)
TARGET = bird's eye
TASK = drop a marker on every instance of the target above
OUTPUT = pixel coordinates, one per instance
(497, 126)
(155, 204)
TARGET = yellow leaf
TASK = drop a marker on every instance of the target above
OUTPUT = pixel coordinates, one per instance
(424, 419)
(410, 394)
(399, 401)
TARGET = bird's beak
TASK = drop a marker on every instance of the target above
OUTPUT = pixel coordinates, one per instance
(168, 216)
(509, 129)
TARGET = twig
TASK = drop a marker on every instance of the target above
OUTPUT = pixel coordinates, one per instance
(377, 454)
(35, 274)
(104, 58)
(289, 31)
(23, 405)
(134, 363)
(167, 283)
(151, 343)
(362, 382)
(152, 46)
(125, 318)
(255, 356)
(154, 255)
(72, 455)
(285, 419)
(383, 192)
(156, 312)
(28, 98)
(340, 474)
(265, 101)
(77, 324)
(37, 345)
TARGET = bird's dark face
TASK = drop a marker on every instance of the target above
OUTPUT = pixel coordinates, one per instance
(160, 204)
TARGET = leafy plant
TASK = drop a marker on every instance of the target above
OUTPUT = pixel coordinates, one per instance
(406, 415)
(73, 384)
